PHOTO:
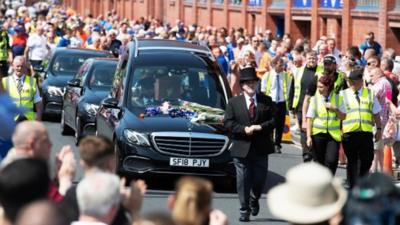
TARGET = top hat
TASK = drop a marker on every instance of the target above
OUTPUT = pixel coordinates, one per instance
(248, 74)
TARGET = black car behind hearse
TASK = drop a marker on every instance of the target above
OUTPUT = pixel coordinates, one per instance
(83, 94)
(165, 111)
(63, 65)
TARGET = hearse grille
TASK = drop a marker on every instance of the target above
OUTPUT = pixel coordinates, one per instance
(189, 144)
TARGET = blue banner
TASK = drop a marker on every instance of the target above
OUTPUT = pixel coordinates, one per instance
(302, 3)
(335, 4)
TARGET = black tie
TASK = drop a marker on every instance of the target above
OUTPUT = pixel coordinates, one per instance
(357, 97)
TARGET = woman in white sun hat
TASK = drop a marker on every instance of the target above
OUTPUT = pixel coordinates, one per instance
(310, 195)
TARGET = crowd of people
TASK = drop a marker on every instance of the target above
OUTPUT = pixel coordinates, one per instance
(345, 105)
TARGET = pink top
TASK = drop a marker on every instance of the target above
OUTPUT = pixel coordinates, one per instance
(382, 91)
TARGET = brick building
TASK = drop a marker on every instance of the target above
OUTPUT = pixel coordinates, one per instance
(347, 20)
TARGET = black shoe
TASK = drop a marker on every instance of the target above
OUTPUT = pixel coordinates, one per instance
(254, 207)
(307, 157)
(278, 149)
(244, 217)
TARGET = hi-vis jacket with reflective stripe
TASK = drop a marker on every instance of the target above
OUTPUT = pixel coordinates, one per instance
(267, 83)
(359, 116)
(297, 84)
(326, 121)
(26, 98)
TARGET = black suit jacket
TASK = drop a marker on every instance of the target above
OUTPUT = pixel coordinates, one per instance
(237, 117)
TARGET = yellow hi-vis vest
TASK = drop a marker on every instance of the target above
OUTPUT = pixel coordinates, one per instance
(338, 80)
(267, 79)
(297, 84)
(326, 121)
(26, 98)
(3, 46)
(359, 116)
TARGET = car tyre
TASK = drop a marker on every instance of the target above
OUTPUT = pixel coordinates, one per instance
(118, 162)
(78, 132)
(65, 129)
(45, 116)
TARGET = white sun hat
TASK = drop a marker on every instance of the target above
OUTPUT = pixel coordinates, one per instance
(310, 195)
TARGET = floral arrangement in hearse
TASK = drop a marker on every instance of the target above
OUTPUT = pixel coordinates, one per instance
(195, 112)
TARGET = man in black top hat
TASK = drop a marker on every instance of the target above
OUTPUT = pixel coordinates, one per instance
(250, 121)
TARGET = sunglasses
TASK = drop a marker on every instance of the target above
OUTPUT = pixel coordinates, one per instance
(371, 63)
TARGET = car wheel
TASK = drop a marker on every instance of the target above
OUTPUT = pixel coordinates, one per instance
(78, 132)
(118, 163)
(65, 129)
(45, 116)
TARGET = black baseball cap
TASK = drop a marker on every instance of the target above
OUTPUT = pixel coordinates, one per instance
(329, 59)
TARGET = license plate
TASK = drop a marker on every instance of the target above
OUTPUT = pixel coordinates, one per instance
(188, 162)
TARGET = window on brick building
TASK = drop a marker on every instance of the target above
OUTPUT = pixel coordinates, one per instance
(218, 2)
(202, 1)
(367, 5)
(278, 4)
(397, 5)
(236, 2)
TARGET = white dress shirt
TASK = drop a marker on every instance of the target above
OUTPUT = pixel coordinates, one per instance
(248, 100)
(272, 92)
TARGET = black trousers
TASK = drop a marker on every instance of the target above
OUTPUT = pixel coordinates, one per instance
(326, 151)
(251, 174)
(35, 63)
(280, 122)
(359, 150)
(3, 69)
(307, 153)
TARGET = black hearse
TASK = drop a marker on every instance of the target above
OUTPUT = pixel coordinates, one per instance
(165, 110)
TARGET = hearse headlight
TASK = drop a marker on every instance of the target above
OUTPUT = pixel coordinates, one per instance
(90, 108)
(136, 138)
(54, 90)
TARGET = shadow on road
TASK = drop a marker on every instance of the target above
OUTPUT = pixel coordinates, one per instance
(221, 184)
(273, 179)
(269, 220)
(52, 118)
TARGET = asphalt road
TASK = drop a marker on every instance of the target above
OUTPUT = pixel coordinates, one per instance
(160, 187)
